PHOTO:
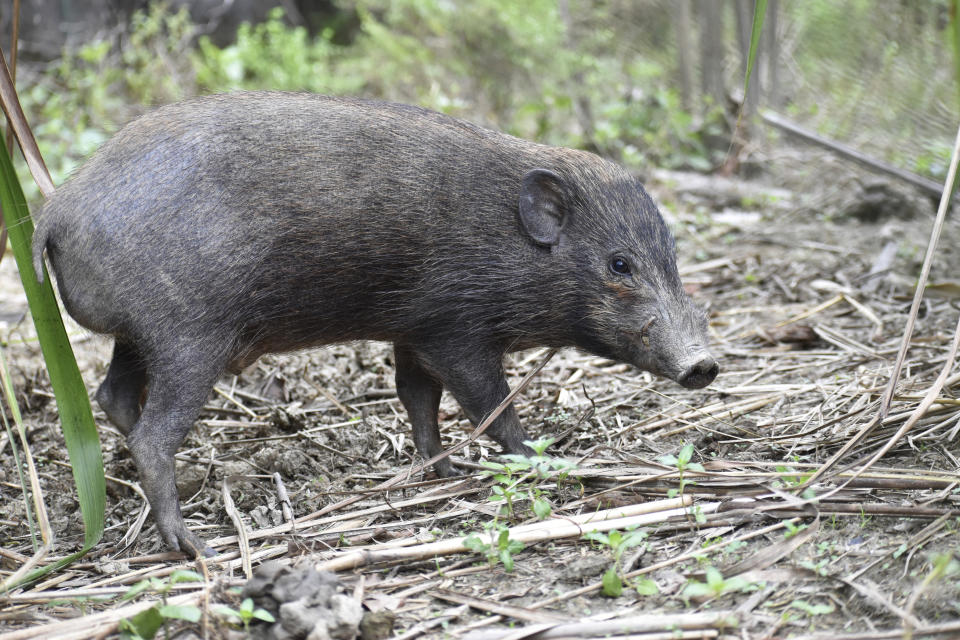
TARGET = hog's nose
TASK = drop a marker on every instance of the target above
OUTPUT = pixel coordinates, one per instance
(700, 374)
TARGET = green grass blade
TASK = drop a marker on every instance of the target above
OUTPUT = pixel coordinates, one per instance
(11, 399)
(76, 417)
(759, 13)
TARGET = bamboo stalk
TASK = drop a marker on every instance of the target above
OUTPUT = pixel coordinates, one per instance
(658, 622)
(552, 529)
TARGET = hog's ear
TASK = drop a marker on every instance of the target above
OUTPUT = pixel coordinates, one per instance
(543, 207)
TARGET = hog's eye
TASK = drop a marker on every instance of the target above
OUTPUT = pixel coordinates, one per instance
(620, 266)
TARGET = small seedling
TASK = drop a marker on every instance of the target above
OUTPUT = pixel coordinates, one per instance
(812, 609)
(618, 543)
(682, 464)
(515, 478)
(246, 614)
(145, 624)
(500, 547)
(715, 586)
(792, 529)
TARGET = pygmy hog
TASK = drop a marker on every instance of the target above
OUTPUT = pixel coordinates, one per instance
(212, 231)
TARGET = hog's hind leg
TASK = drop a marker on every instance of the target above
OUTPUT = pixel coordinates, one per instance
(420, 394)
(121, 391)
(179, 383)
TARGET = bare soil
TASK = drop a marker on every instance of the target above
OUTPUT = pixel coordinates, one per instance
(806, 340)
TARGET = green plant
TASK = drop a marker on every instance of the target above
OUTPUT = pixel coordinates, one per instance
(618, 543)
(516, 478)
(812, 609)
(820, 567)
(274, 56)
(794, 479)
(145, 624)
(715, 585)
(682, 464)
(246, 614)
(792, 529)
(77, 102)
(79, 429)
(500, 547)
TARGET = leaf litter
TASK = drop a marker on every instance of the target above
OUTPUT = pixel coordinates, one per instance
(753, 536)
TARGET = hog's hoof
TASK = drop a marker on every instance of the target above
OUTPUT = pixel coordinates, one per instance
(445, 469)
(182, 539)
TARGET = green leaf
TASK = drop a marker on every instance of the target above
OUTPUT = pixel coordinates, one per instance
(669, 460)
(612, 585)
(226, 612)
(812, 609)
(646, 587)
(540, 445)
(507, 560)
(685, 454)
(263, 614)
(136, 590)
(186, 612)
(185, 575)
(759, 12)
(596, 536)
(76, 417)
(736, 584)
(714, 579)
(145, 624)
(542, 508)
(475, 544)
(698, 590)
(634, 538)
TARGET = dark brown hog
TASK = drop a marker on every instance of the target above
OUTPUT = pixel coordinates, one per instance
(209, 232)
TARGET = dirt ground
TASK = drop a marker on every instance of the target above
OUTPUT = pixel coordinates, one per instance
(806, 337)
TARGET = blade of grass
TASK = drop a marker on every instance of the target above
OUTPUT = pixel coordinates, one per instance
(18, 122)
(923, 279)
(11, 399)
(79, 429)
(759, 13)
(39, 552)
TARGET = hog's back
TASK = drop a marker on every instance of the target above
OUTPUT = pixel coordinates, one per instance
(285, 218)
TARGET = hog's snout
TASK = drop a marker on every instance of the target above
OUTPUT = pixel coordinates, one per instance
(700, 373)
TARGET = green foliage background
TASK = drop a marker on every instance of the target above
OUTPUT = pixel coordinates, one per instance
(595, 74)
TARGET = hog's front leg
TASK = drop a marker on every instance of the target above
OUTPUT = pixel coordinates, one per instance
(474, 375)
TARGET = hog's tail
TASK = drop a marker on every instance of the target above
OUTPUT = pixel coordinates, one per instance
(40, 236)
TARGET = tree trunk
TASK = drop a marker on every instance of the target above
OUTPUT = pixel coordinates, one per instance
(684, 53)
(712, 86)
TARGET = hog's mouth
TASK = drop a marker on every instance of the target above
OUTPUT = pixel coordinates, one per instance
(694, 368)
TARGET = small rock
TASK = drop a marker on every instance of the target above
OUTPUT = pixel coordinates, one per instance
(345, 617)
(377, 625)
(583, 568)
(307, 604)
